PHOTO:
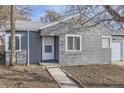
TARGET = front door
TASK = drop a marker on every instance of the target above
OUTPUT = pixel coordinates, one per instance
(48, 48)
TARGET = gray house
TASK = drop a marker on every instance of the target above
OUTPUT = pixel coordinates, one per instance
(60, 42)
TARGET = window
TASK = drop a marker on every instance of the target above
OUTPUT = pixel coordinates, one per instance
(73, 43)
(18, 42)
(106, 41)
(48, 48)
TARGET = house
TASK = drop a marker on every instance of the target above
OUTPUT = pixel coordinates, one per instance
(60, 42)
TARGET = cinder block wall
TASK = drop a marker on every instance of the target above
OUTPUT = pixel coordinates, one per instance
(92, 51)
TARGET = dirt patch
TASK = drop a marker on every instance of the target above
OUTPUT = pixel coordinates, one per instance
(98, 75)
(25, 77)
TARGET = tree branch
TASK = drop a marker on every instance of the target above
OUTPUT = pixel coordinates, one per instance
(92, 18)
(113, 13)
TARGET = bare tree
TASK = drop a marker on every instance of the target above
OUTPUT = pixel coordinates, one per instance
(116, 16)
(13, 13)
(13, 49)
(110, 16)
(23, 12)
(50, 16)
(3, 15)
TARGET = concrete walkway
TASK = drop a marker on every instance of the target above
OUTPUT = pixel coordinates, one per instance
(120, 63)
(62, 78)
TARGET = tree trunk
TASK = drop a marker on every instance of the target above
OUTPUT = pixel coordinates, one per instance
(13, 49)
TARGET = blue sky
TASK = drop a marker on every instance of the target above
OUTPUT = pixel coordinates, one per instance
(39, 10)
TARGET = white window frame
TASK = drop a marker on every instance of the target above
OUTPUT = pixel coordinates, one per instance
(110, 41)
(66, 45)
(7, 42)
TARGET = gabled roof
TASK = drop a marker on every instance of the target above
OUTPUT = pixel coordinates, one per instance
(60, 21)
(25, 25)
(69, 18)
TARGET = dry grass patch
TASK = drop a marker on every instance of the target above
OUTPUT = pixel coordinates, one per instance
(98, 75)
(25, 77)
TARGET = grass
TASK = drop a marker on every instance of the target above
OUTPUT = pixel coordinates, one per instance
(32, 76)
(98, 75)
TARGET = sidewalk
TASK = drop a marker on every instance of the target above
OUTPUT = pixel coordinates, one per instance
(62, 78)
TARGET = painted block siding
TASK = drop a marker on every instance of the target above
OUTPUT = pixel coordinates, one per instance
(34, 48)
(92, 51)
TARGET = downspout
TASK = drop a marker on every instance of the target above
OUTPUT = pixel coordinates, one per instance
(28, 48)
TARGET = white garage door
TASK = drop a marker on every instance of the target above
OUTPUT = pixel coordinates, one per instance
(116, 51)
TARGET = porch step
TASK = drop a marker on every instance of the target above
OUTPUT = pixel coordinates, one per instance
(120, 63)
(51, 65)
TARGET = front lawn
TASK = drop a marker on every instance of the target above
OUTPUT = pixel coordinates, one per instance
(98, 75)
(25, 77)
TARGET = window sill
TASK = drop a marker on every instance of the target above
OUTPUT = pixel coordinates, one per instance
(72, 51)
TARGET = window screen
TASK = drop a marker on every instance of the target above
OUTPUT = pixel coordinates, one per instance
(73, 42)
(70, 43)
(77, 43)
(17, 43)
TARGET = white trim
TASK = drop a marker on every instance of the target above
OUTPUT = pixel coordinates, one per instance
(28, 47)
(66, 45)
(7, 40)
(110, 41)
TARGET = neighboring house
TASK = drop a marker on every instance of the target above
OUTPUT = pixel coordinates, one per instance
(118, 45)
(61, 43)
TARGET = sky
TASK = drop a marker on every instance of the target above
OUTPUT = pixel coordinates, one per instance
(39, 10)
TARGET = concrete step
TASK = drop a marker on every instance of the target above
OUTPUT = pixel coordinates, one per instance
(50, 65)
